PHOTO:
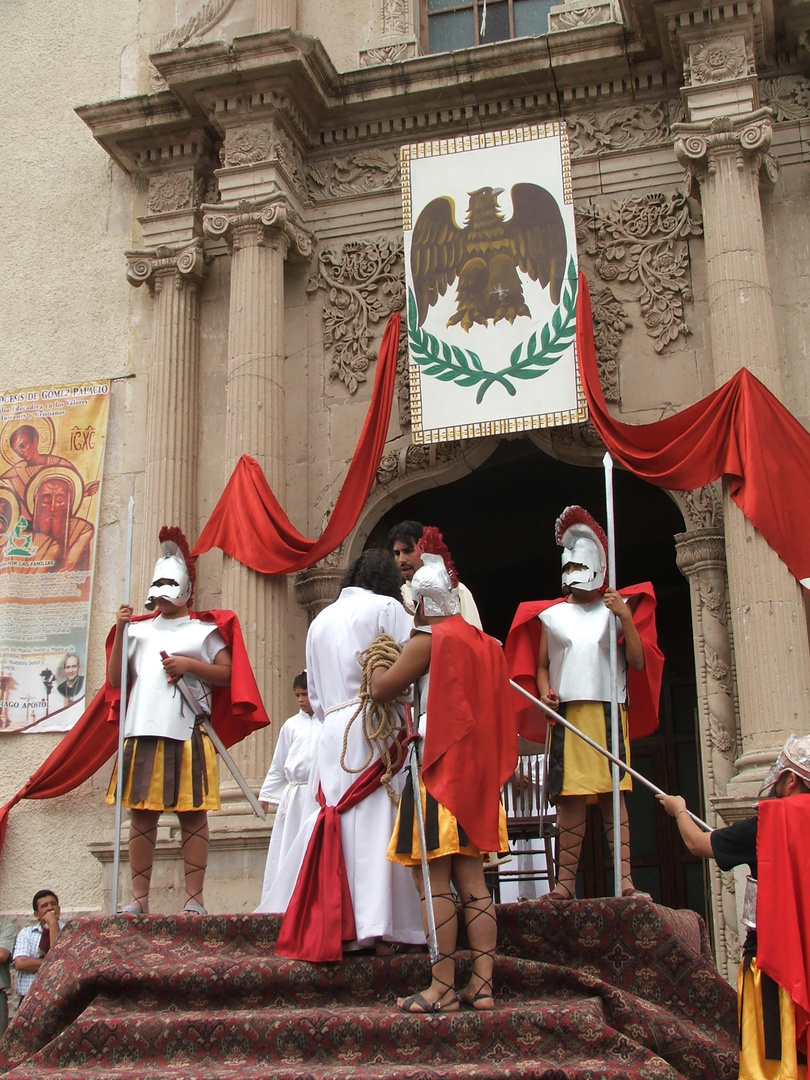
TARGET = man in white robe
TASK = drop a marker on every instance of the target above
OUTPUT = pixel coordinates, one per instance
(386, 908)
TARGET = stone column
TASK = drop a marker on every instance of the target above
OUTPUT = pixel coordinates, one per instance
(725, 155)
(174, 277)
(260, 237)
(702, 560)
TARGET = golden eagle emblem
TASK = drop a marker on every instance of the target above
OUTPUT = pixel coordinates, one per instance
(486, 254)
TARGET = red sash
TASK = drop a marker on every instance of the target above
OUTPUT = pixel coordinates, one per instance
(320, 916)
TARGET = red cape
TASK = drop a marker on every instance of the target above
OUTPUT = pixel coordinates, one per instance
(471, 743)
(643, 687)
(783, 902)
(237, 711)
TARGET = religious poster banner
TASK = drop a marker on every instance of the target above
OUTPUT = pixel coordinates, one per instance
(52, 445)
(491, 272)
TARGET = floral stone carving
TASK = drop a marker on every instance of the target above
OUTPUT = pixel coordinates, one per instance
(644, 240)
(364, 284)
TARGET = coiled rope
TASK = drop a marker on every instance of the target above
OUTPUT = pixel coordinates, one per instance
(381, 723)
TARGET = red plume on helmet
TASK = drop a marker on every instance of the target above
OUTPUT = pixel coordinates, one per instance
(173, 534)
(432, 543)
(577, 515)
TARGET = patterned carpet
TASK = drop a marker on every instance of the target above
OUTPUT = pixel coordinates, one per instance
(603, 989)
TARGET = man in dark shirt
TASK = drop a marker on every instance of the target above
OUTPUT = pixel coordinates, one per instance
(772, 1022)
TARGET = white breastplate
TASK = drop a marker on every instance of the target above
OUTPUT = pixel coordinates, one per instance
(579, 652)
(155, 706)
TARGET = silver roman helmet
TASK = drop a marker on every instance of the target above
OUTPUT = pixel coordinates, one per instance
(795, 758)
(584, 544)
(432, 585)
(175, 566)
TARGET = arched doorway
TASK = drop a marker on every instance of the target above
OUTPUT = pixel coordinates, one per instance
(498, 522)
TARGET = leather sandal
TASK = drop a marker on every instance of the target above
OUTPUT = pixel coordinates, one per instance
(425, 1006)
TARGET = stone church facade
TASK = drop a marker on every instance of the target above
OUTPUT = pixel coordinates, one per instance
(244, 180)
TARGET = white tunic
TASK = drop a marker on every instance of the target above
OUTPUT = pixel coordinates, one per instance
(579, 651)
(155, 706)
(287, 785)
(386, 904)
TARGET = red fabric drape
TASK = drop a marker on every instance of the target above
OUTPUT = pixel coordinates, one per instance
(783, 902)
(248, 522)
(236, 711)
(320, 916)
(741, 431)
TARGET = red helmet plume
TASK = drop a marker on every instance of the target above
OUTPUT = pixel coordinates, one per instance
(432, 543)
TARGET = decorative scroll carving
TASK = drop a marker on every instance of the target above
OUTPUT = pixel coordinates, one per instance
(205, 19)
(697, 145)
(718, 60)
(609, 323)
(644, 240)
(788, 96)
(397, 464)
(275, 217)
(187, 264)
(171, 191)
(354, 174)
(365, 284)
(625, 128)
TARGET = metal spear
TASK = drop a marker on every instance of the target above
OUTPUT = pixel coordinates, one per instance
(119, 781)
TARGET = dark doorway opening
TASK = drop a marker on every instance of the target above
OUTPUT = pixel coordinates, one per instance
(499, 525)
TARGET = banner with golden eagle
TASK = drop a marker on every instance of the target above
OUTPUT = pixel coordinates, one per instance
(52, 444)
(491, 271)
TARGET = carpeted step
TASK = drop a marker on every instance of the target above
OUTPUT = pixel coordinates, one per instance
(610, 989)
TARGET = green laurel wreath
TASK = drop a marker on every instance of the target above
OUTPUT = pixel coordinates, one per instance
(449, 363)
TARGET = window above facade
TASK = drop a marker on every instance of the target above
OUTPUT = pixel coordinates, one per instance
(456, 24)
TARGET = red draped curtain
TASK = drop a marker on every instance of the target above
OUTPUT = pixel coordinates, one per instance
(741, 432)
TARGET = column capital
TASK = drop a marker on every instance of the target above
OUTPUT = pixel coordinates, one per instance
(698, 146)
(316, 587)
(187, 264)
(700, 549)
(261, 223)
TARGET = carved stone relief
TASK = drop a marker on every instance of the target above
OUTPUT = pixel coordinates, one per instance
(572, 14)
(353, 174)
(644, 240)
(395, 17)
(626, 128)
(701, 559)
(387, 54)
(718, 60)
(198, 24)
(609, 323)
(788, 96)
(702, 508)
(249, 145)
(364, 283)
(171, 191)
(397, 464)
